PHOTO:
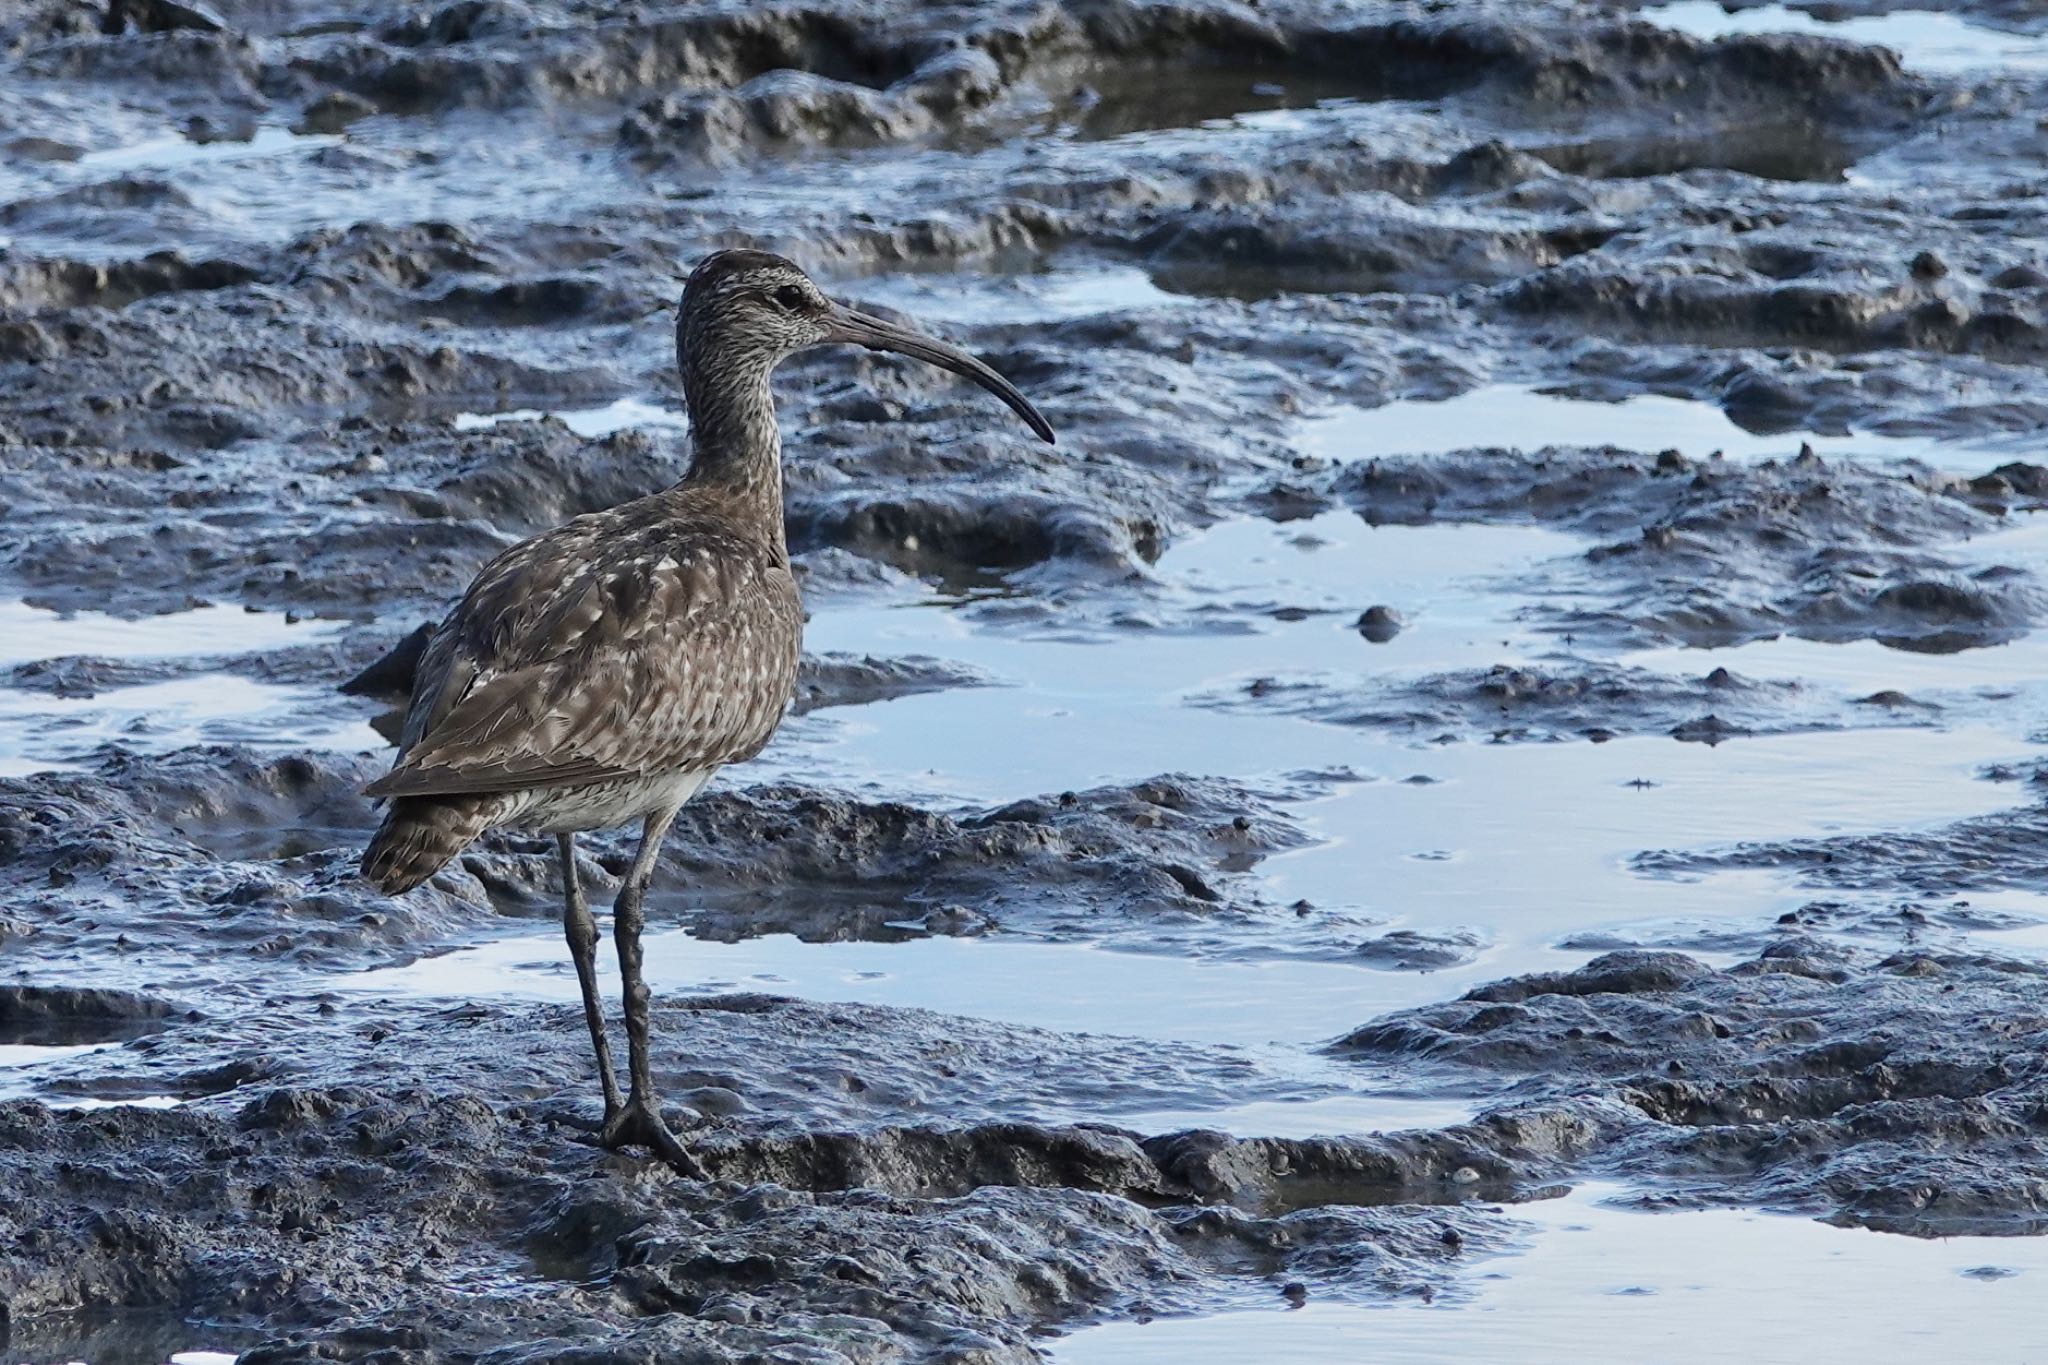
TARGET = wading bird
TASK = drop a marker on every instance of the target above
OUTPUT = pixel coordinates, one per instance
(599, 674)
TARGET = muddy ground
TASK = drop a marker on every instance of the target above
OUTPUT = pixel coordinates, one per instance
(305, 315)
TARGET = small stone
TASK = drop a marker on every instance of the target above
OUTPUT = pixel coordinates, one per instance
(1928, 266)
(1380, 624)
(333, 112)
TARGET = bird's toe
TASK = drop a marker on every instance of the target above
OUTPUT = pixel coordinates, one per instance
(638, 1123)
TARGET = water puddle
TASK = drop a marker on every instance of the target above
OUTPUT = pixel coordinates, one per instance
(1790, 152)
(1329, 1116)
(1127, 103)
(464, 167)
(39, 731)
(1070, 988)
(1933, 41)
(1607, 1285)
(2026, 911)
(1865, 667)
(25, 1066)
(1337, 559)
(1516, 849)
(585, 422)
(84, 1103)
(131, 1336)
(1241, 601)
(15, 1056)
(1530, 840)
(1269, 1013)
(1022, 297)
(179, 152)
(1523, 417)
(29, 634)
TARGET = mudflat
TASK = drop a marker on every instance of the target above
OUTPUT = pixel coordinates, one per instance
(1515, 703)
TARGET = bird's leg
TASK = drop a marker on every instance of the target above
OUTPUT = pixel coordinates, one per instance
(640, 1121)
(582, 930)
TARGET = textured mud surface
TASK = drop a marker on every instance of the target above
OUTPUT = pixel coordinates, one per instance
(1523, 667)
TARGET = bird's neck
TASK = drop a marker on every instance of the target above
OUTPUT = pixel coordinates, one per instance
(737, 446)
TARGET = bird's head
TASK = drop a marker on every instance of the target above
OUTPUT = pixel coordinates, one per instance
(751, 309)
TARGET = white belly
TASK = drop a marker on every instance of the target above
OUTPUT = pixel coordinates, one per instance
(601, 805)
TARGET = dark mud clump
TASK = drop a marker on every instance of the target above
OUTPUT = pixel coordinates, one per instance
(856, 680)
(360, 1217)
(1145, 861)
(249, 855)
(57, 1015)
(2006, 850)
(1538, 703)
(258, 855)
(1712, 553)
(1899, 1092)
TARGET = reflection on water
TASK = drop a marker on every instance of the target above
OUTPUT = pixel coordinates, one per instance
(1061, 986)
(180, 153)
(1133, 101)
(1607, 1285)
(132, 1336)
(1522, 417)
(1800, 151)
(1331, 1116)
(1271, 1011)
(39, 731)
(1024, 297)
(617, 415)
(83, 1103)
(1925, 39)
(17, 1058)
(31, 633)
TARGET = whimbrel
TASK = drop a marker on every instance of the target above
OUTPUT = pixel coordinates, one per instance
(599, 674)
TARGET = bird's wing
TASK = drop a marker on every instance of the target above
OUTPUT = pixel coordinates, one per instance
(599, 652)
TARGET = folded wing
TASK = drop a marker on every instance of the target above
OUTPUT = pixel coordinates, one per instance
(598, 653)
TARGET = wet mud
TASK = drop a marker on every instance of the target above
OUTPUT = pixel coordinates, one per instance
(1900, 1092)
(1301, 842)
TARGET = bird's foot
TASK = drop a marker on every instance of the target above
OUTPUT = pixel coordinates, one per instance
(638, 1123)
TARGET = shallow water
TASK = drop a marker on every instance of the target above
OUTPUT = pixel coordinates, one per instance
(1066, 987)
(1270, 1011)
(1926, 39)
(179, 153)
(29, 634)
(1035, 296)
(40, 731)
(1607, 1284)
(1526, 417)
(43, 730)
(17, 1057)
(617, 415)
(142, 1337)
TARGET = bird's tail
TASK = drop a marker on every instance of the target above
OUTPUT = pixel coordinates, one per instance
(420, 834)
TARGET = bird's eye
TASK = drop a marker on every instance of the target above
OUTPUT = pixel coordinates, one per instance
(790, 297)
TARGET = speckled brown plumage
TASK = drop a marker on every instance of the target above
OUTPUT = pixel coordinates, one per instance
(602, 672)
(584, 667)
(660, 636)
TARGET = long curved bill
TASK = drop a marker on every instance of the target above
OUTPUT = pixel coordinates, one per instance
(863, 329)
